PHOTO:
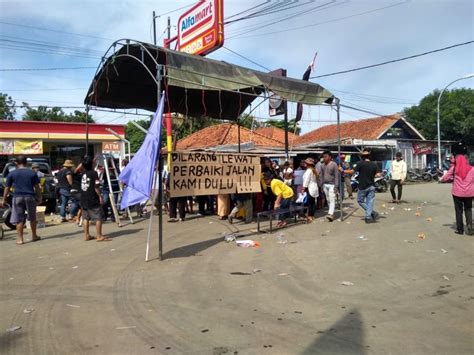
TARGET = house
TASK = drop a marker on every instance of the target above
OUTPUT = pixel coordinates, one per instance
(277, 134)
(383, 135)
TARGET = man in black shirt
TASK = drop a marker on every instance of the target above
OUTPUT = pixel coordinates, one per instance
(365, 197)
(64, 185)
(91, 201)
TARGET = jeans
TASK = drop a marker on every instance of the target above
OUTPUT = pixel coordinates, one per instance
(65, 197)
(394, 183)
(330, 197)
(463, 204)
(284, 205)
(366, 199)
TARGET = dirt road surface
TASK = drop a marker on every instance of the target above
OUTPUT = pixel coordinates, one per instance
(404, 295)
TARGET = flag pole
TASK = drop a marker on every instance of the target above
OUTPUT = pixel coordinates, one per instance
(160, 176)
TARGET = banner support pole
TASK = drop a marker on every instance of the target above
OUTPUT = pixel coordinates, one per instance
(341, 185)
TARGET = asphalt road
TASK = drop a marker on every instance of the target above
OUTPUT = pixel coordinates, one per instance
(409, 295)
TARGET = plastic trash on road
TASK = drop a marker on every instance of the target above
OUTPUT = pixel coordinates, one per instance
(347, 283)
(421, 236)
(247, 243)
(12, 329)
(229, 237)
(281, 239)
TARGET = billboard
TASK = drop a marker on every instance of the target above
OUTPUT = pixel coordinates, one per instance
(28, 146)
(201, 28)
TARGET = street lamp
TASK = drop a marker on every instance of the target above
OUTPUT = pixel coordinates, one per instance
(439, 99)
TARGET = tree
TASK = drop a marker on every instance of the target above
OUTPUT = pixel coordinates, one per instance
(7, 107)
(54, 114)
(135, 135)
(456, 115)
(281, 124)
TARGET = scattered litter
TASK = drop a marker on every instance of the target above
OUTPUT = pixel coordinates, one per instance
(383, 206)
(66, 252)
(281, 239)
(445, 277)
(348, 222)
(392, 208)
(345, 208)
(425, 203)
(11, 278)
(51, 268)
(328, 231)
(362, 237)
(229, 237)
(347, 283)
(256, 270)
(28, 310)
(408, 241)
(129, 327)
(239, 273)
(421, 236)
(283, 274)
(384, 213)
(444, 251)
(418, 214)
(247, 243)
(112, 249)
(204, 330)
(254, 230)
(418, 208)
(211, 222)
(429, 219)
(75, 267)
(73, 306)
(407, 209)
(12, 329)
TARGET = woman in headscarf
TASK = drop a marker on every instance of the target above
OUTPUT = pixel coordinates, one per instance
(462, 176)
(310, 186)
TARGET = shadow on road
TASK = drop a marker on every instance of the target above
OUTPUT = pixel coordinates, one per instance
(8, 340)
(192, 249)
(344, 337)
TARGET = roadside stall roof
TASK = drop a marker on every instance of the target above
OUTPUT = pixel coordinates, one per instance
(195, 85)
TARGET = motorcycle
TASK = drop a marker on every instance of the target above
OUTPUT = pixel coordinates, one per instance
(381, 184)
(414, 176)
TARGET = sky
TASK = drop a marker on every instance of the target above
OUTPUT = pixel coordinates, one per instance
(346, 34)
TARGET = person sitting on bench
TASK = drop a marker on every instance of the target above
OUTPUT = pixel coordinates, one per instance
(283, 193)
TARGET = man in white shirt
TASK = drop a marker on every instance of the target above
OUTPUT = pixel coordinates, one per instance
(399, 174)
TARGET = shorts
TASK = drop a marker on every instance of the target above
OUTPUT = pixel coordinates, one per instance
(20, 205)
(76, 195)
(93, 214)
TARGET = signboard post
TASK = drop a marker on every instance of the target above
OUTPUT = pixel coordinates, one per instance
(194, 174)
(201, 28)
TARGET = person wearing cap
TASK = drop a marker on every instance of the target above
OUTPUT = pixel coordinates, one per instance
(366, 196)
(331, 179)
(64, 184)
(310, 186)
(399, 174)
(284, 195)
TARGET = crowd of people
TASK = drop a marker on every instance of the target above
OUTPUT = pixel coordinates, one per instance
(316, 183)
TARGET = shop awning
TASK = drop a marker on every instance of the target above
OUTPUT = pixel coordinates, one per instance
(196, 86)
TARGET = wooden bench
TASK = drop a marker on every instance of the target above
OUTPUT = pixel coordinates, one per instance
(293, 210)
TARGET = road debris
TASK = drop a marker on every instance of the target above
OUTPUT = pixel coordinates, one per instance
(429, 219)
(239, 273)
(362, 237)
(256, 270)
(112, 249)
(283, 274)
(73, 306)
(129, 327)
(229, 237)
(444, 251)
(392, 208)
(421, 236)
(418, 214)
(347, 283)
(445, 277)
(75, 267)
(281, 239)
(12, 329)
(28, 310)
(247, 243)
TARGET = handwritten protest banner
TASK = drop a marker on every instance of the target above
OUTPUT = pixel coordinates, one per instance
(194, 174)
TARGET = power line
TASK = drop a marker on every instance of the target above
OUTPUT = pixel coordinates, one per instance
(53, 30)
(44, 69)
(249, 9)
(394, 60)
(250, 60)
(320, 23)
(43, 89)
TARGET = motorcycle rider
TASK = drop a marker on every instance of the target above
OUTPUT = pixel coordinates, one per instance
(399, 174)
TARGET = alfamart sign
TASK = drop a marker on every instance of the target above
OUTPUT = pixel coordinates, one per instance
(201, 28)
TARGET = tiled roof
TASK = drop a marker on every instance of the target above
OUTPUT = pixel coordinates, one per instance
(276, 133)
(368, 129)
(224, 134)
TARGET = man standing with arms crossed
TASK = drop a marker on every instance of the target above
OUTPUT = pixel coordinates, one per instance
(365, 197)
(26, 194)
(399, 174)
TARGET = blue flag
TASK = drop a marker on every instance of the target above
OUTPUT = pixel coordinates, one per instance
(138, 174)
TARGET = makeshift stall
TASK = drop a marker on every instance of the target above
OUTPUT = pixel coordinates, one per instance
(132, 74)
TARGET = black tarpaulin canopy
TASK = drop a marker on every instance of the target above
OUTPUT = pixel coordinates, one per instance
(132, 73)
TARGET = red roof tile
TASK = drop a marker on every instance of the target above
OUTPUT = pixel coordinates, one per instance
(368, 129)
(276, 133)
(224, 134)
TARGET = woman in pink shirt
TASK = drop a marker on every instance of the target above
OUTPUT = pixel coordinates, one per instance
(462, 176)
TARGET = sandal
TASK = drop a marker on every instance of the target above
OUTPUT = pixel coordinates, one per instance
(20, 243)
(89, 237)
